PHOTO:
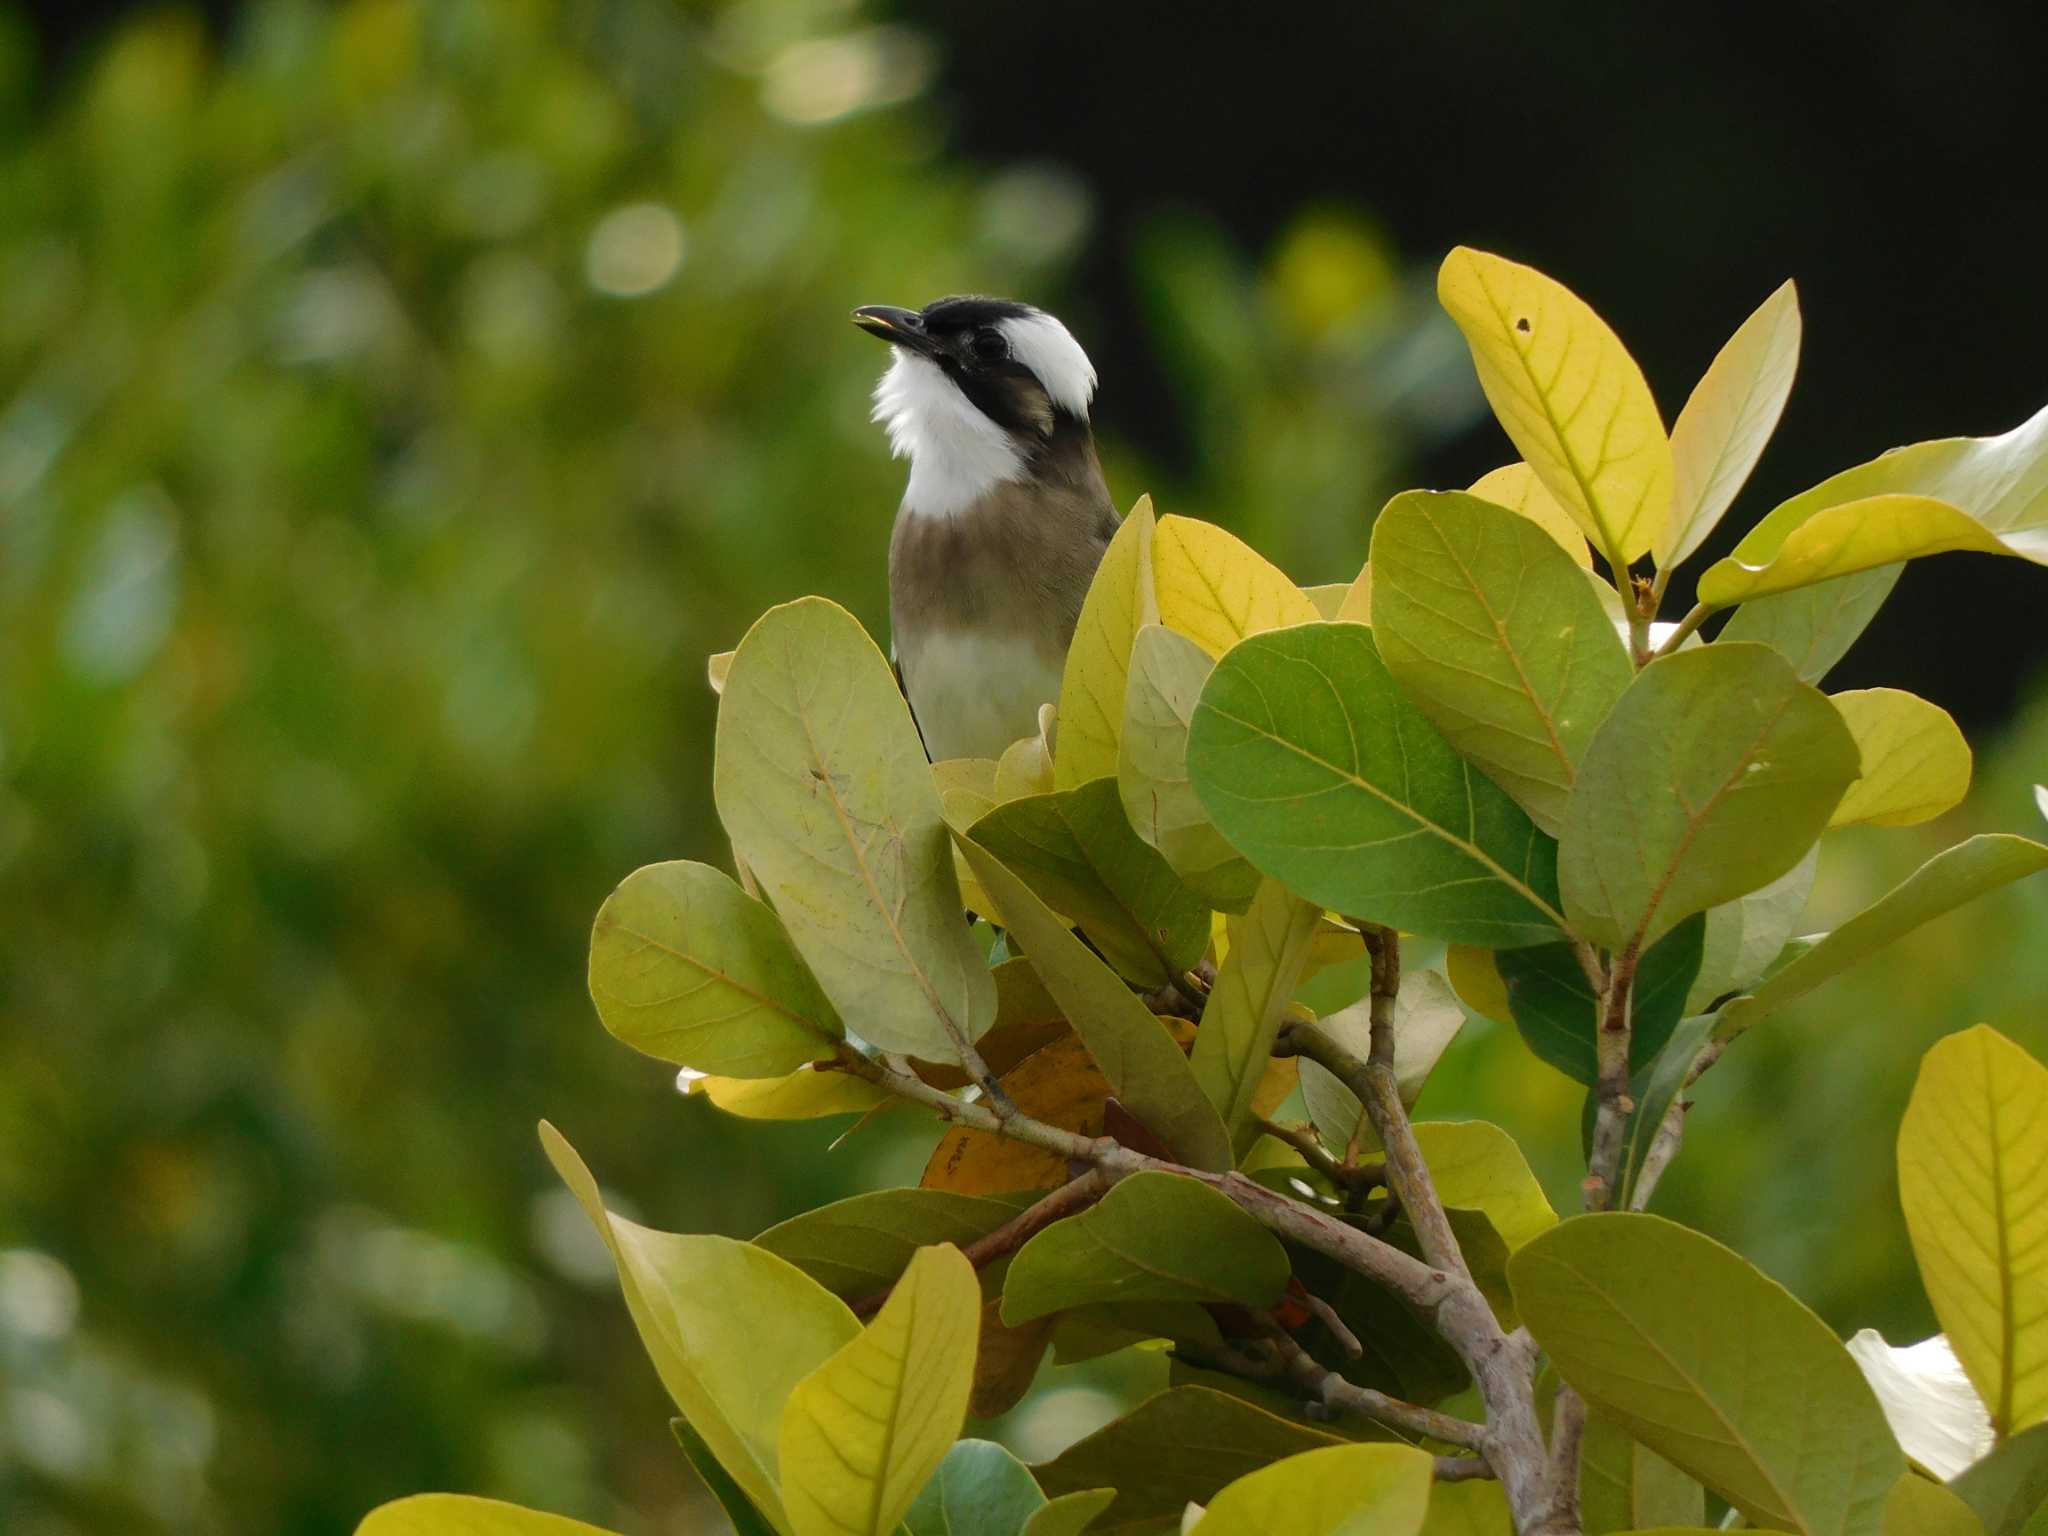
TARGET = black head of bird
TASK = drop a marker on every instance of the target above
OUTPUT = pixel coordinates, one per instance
(1003, 521)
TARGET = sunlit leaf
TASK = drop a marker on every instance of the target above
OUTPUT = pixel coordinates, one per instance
(687, 967)
(1166, 676)
(1745, 935)
(1146, 1069)
(856, 1246)
(1714, 1366)
(1915, 762)
(2009, 1488)
(1216, 589)
(454, 1514)
(1978, 493)
(1516, 487)
(1943, 883)
(1120, 601)
(1569, 396)
(1940, 1421)
(1497, 636)
(1153, 1237)
(1734, 408)
(1555, 1008)
(1973, 1178)
(1026, 766)
(728, 1375)
(806, 1094)
(824, 789)
(1814, 627)
(1712, 777)
(1269, 948)
(1340, 1490)
(1318, 769)
(863, 1432)
(980, 1489)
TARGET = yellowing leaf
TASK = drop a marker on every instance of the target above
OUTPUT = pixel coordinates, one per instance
(1915, 762)
(1516, 487)
(1973, 1178)
(716, 668)
(806, 1094)
(864, 1431)
(1734, 408)
(1269, 948)
(1120, 600)
(1474, 1508)
(1341, 1490)
(1855, 536)
(1026, 766)
(825, 790)
(1477, 981)
(697, 1302)
(1479, 1167)
(1216, 589)
(1060, 1085)
(1328, 597)
(452, 1514)
(1918, 1507)
(1569, 396)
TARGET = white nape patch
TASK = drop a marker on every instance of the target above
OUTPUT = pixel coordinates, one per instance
(956, 454)
(1049, 350)
(974, 693)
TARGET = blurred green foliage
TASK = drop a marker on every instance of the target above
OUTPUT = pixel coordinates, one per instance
(395, 409)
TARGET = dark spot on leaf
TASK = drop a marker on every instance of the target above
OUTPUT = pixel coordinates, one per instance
(1522, 325)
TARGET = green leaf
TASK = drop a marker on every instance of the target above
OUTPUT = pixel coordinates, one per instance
(1496, 635)
(1734, 408)
(1479, 1167)
(1944, 882)
(1656, 1090)
(1077, 851)
(824, 789)
(1145, 1067)
(1918, 1507)
(1624, 1485)
(697, 1302)
(980, 1489)
(1557, 1013)
(2009, 1488)
(1915, 762)
(863, 1432)
(1339, 1490)
(1166, 677)
(1120, 600)
(1973, 1178)
(1318, 769)
(1071, 1513)
(1745, 935)
(1153, 1237)
(1473, 1508)
(1216, 589)
(1269, 948)
(454, 1514)
(739, 1509)
(856, 1246)
(1427, 1018)
(687, 967)
(1715, 773)
(1176, 1448)
(1516, 487)
(1569, 396)
(1814, 627)
(1714, 1366)
(1980, 493)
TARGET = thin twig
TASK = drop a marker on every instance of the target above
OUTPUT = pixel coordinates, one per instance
(1567, 1437)
(1460, 1469)
(1663, 1148)
(1304, 1140)
(1340, 1396)
(1326, 1314)
(1684, 629)
(1611, 1047)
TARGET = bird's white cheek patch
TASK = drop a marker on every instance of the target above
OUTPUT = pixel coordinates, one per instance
(974, 694)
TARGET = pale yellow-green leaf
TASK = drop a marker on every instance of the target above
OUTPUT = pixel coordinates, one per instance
(1918, 1507)
(1357, 605)
(1216, 589)
(1569, 396)
(1623, 1483)
(1166, 676)
(1070, 1514)
(687, 967)
(1328, 597)
(1915, 762)
(1476, 979)
(1120, 601)
(863, 1432)
(806, 1094)
(1479, 1167)
(1473, 1508)
(967, 792)
(1985, 493)
(824, 788)
(1973, 1178)
(698, 1302)
(1026, 766)
(1734, 408)
(454, 1514)
(1269, 947)
(1516, 487)
(716, 668)
(1745, 935)
(1340, 1490)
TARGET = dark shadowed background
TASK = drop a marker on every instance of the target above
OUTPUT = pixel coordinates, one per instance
(398, 400)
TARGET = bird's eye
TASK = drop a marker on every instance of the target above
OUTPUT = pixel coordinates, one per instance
(990, 346)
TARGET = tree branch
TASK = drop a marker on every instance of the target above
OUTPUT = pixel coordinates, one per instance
(1319, 1157)
(1340, 1396)
(1611, 1046)
(1567, 1437)
(1685, 628)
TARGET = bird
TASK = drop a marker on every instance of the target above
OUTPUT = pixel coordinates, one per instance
(1003, 521)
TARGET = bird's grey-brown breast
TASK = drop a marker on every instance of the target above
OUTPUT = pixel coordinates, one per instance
(983, 602)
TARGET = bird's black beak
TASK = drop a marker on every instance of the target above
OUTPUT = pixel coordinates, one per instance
(899, 327)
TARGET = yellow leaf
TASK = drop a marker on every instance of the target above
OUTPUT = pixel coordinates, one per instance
(1734, 408)
(1915, 762)
(452, 1514)
(1569, 396)
(1120, 601)
(865, 1430)
(967, 792)
(716, 668)
(1516, 487)
(1476, 980)
(804, 1094)
(1328, 598)
(1854, 536)
(1334, 1491)
(1216, 589)
(1357, 605)
(1973, 1179)
(1026, 767)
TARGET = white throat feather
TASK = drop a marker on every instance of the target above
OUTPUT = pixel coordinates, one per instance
(957, 455)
